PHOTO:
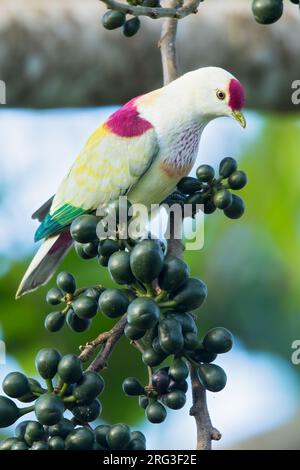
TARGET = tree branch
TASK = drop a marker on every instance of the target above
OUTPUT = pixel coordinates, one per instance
(205, 430)
(108, 339)
(179, 12)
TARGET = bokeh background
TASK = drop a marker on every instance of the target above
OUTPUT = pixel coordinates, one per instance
(64, 74)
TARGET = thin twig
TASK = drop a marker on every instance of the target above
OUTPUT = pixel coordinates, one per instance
(108, 339)
(179, 12)
(206, 433)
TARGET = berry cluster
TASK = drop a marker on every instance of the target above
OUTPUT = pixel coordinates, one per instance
(268, 11)
(214, 192)
(73, 390)
(168, 385)
(66, 435)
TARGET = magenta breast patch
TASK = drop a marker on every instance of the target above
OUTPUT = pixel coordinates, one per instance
(126, 122)
(237, 95)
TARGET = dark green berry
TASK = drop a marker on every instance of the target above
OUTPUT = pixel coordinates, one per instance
(79, 248)
(8, 443)
(209, 207)
(222, 199)
(152, 358)
(54, 321)
(108, 247)
(46, 362)
(143, 313)
(113, 19)
(87, 413)
(267, 11)
(54, 296)
(143, 401)
(118, 437)
(91, 249)
(237, 180)
(83, 229)
(218, 340)
(9, 412)
(15, 384)
(132, 387)
(213, 377)
(34, 432)
(101, 433)
(77, 324)
(49, 409)
(191, 295)
(85, 307)
(119, 268)
(227, 166)
(189, 185)
(131, 27)
(174, 386)
(56, 443)
(175, 273)
(236, 209)
(62, 428)
(39, 445)
(156, 412)
(175, 400)
(133, 333)
(146, 260)
(70, 369)
(66, 282)
(170, 336)
(80, 439)
(89, 387)
(205, 173)
(178, 370)
(113, 303)
(19, 446)
(21, 429)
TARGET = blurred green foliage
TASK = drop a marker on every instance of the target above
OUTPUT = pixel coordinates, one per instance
(251, 267)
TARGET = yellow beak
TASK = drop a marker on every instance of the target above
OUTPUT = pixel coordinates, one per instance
(240, 118)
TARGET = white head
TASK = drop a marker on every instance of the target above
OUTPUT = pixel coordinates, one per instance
(211, 92)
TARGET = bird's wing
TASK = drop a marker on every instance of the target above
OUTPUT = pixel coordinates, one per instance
(111, 162)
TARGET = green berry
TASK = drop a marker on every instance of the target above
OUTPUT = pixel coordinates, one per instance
(34, 432)
(15, 384)
(132, 387)
(146, 260)
(108, 247)
(54, 321)
(175, 386)
(19, 446)
(218, 340)
(209, 207)
(49, 409)
(56, 443)
(54, 296)
(80, 251)
(222, 199)
(77, 324)
(80, 439)
(191, 295)
(70, 369)
(91, 249)
(236, 209)
(175, 273)
(66, 282)
(178, 370)
(213, 377)
(152, 358)
(118, 437)
(200, 354)
(85, 307)
(113, 19)
(237, 180)
(39, 445)
(62, 428)
(133, 333)
(205, 173)
(87, 413)
(170, 336)
(143, 313)
(131, 27)
(143, 401)
(83, 229)
(21, 429)
(89, 387)
(113, 303)
(101, 433)
(9, 412)
(156, 412)
(267, 11)
(8, 443)
(227, 166)
(94, 293)
(119, 268)
(46, 362)
(175, 400)
(189, 185)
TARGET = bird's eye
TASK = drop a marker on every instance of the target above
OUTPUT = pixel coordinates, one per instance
(221, 95)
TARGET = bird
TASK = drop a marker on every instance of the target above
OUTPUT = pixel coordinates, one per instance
(141, 151)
